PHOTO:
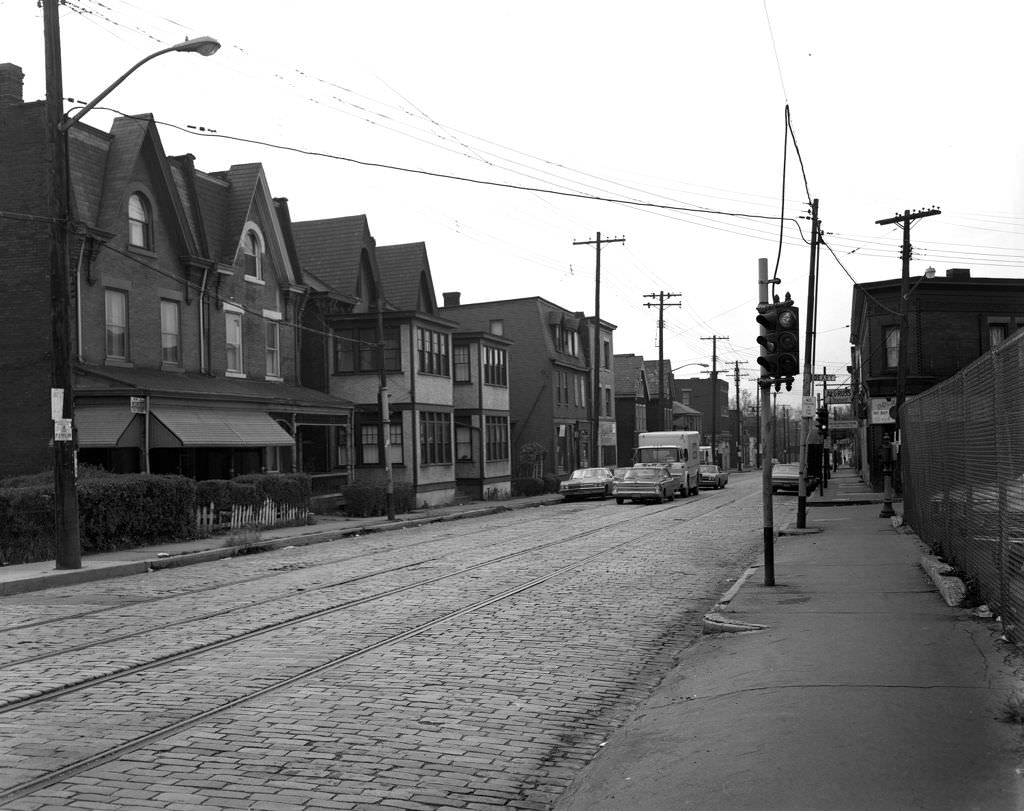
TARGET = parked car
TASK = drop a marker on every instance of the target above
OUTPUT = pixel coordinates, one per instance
(712, 476)
(587, 482)
(646, 484)
(786, 477)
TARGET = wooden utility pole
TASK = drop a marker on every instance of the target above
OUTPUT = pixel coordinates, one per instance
(384, 401)
(595, 357)
(714, 392)
(805, 418)
(904, 221)
(68, 547)
(661, 305)
(739, 420)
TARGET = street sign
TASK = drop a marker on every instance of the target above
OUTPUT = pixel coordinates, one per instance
(840, 394)
(819, 377)
(880, 410)
(838, 425)
(808, 406)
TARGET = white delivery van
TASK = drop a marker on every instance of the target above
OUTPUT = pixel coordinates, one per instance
(677, 450)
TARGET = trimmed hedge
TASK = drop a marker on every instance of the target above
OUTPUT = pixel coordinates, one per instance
(364, 500)
(129, 510)
(528, 486)
(293, 489)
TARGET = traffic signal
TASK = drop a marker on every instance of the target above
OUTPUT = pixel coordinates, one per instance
(780, 341)
(821, 421)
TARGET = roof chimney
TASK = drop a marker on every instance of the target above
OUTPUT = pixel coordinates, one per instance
(12, 85)
(452, 299)
(958, 274)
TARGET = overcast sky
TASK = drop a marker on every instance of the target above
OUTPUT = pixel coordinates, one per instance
(678, 107)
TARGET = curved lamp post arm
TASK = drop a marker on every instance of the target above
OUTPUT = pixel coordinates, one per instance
(205, 46)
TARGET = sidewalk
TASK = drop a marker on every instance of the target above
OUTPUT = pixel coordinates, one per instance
(864, 690)
(24, 577)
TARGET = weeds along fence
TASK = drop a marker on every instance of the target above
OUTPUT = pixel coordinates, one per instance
(240, 516)
(963, 457)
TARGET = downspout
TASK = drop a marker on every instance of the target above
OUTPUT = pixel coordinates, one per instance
(203, 366)
(145, 441)
(483, 419)
(78, 300)
(414, 412)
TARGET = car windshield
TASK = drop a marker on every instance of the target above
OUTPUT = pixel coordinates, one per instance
(709, 468)
(590, 473)
(644, 474)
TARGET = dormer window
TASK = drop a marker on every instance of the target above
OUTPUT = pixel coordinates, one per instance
(252, 255)
(140, 222)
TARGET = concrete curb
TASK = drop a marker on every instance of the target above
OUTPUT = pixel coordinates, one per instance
(951, 588)
(171, 560)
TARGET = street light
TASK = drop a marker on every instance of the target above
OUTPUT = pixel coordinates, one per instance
(204, 46)
(68, 551)
(705, 365)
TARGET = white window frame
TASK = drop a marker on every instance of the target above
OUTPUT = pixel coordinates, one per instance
(272, 319)
(117, 327)
(233, 315)
(140, 228)
(165, 334)
(255, 246)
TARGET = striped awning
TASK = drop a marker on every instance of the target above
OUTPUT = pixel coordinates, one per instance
(180, 426)
(108, 426)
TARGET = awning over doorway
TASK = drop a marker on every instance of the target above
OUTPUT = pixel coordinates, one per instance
(107, 426)
(179, 426)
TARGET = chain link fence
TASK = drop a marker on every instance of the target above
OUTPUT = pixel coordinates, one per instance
(963, 458)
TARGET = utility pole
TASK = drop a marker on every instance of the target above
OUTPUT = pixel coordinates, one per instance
(68, 547)
(904, 221)
(595, 354)
(766, 425)
(714, 392)
(805, 417)
(739, 421)
(385, 413)
(661, 305)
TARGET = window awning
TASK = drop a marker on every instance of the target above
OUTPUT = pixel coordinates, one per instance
(108, 426)
(178, 426)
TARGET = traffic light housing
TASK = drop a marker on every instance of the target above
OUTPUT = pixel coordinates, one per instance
(780, 341)
(821, 421)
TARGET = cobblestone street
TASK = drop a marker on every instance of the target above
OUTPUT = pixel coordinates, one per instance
(472, 664)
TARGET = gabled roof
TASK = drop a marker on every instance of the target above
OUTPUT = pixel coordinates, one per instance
(337, 251)
(405, 277)
(131, 141)
(241, 192)
(630, 376)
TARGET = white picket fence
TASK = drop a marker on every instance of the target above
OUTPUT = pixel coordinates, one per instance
(241, 516)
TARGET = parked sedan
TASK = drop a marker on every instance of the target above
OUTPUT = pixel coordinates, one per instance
(587, 482)
(646, 484)
(786, 476)
(712, 476)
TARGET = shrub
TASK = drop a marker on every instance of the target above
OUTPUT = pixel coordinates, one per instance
(121, 512)
(114, 512)
(26, 518)
(529, 486)
(551, 482)
(363, 499)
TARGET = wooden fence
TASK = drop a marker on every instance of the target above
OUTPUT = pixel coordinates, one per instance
(263, 516)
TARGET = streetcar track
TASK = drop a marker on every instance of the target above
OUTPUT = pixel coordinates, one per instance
(146, 738)
(99, 758)
(20, 703)
(230, 584)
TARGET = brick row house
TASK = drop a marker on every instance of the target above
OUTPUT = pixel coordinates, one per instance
(952, 320)
(551, 355)
(447, 393)
(201, 344)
